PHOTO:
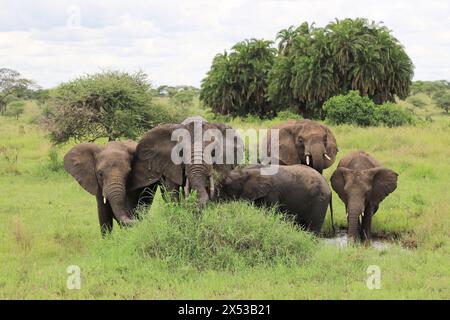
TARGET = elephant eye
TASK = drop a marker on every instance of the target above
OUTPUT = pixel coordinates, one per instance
(213, 153)
(100, 173)
(301, 140)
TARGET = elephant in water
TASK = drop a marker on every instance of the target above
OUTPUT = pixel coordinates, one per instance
(304, 142)
(298, 190)
(186, 155)
(362, 183)
(104, 171)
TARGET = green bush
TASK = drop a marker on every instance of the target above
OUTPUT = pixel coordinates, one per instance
(391, 115)
(15, 109)
(288, 115)
(351, 108)
(443, 101)
(416, 101)
(228, 236)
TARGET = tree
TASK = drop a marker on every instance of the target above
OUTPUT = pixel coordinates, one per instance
(12, 83)
(184, 98)
(315, 64)
(110, 104)
(443, 101)
(237, 82)
(15, 109)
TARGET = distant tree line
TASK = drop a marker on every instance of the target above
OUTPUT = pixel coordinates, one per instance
(309, 65)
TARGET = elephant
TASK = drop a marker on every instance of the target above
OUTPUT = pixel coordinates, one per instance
(305, 142)
(103, 171)
(362, 183)
(196, 162)
(297, 190)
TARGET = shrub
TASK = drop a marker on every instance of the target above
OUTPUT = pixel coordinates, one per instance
(443, 101)
(110, 104)
(391, 115)
(15, 109)
(227, 236)
(351, 108)
(288, 115)
(416, 101)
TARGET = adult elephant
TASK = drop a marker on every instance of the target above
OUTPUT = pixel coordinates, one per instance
(103, 171)
(186, 155)
(362, 183)
(304, 142)
(298, 190)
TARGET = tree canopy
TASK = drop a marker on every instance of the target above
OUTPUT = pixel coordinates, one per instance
(310, 65)
(12, 84)
(237, 81)
(109, 104)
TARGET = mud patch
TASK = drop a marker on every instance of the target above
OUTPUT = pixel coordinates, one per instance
(341, 240)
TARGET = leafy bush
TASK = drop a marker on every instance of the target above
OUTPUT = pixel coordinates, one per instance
(416, 101)
(351, 108)
(391, 115)
(15, 109)
(443, 101)
(110, 104)
(288, 115)
(227, 236)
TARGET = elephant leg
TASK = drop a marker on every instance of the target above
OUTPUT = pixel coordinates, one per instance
(105, 215)
(367, 224)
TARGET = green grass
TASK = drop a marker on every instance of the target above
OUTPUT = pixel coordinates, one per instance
(48, 222)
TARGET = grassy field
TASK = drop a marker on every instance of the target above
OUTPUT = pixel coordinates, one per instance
(230, 251)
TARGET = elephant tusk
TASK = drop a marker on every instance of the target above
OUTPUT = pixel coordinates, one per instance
(307, 160)
(211, 187)
(186, 188)
(327, 156)
(104, 200)
(362, 214)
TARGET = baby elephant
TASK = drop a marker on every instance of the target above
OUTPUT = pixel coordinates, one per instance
(298, 190)
(362, 183)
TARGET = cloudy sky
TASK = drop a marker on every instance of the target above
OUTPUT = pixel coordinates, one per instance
(174, 41)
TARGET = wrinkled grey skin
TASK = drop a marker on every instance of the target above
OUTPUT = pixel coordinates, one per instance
(304, 142)
(298, 190)
(103, 171)
(362, 183)
(154, 162)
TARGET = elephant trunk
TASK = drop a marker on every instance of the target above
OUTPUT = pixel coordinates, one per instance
(316, 155)
(114, 192)
(354, 212)
(197, 180)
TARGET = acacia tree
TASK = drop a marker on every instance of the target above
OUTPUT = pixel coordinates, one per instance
(237, 81)
(11, 83)
(109, 104)
(317, 63)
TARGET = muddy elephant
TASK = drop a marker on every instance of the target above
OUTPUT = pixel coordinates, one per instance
(362, 183)
(305, 142)
(188, 155)
(103, 171)
(297, 190)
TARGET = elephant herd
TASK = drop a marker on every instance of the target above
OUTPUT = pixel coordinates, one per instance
(119, 173)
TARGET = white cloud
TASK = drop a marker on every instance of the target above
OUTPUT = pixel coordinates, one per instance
(175, 40)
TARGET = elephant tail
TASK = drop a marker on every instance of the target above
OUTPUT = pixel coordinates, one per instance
(331, 212)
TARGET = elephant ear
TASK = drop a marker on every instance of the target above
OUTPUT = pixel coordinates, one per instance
(231, 141)
(384, 182)
(153, 158)
(288, 153)
(80, 163)
(130, 145)
(257, 187)
(330, 146)
(338, 182)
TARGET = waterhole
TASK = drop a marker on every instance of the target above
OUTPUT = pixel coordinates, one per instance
(341, 240)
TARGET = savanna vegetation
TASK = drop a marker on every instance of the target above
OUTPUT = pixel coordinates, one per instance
(351, 74)
(231, 250)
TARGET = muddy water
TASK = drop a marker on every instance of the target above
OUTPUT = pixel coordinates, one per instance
(341, 240)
